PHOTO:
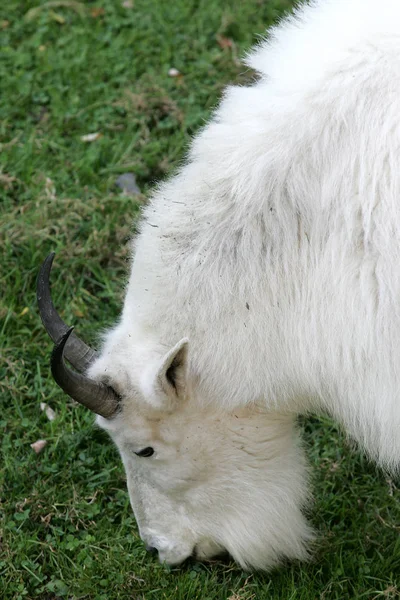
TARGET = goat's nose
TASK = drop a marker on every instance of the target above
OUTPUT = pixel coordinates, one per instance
(151, 549)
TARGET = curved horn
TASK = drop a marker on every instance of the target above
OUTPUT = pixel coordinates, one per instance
(98, 397)
(76, 351)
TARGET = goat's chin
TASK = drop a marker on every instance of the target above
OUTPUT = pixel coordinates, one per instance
(207, 549)
(173, 559)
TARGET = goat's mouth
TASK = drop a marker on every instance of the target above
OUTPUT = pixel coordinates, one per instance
(169, 553)
(204, 551)
(173, 559)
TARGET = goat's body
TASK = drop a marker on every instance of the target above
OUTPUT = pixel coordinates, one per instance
(266, 283)
(276, 250)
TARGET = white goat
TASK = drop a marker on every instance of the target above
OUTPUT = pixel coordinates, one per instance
(265, 283)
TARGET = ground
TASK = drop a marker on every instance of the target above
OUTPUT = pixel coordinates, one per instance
(67, 70)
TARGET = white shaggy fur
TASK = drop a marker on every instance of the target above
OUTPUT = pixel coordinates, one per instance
(270, 265)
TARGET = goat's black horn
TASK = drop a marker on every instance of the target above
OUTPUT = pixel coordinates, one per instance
(79, 354)
(98, 397)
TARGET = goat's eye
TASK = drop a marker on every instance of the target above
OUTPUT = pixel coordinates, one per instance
(145, 452)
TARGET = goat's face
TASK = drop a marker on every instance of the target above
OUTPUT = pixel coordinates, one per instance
(201, 481)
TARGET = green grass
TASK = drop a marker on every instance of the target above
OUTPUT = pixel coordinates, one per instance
(67, 529)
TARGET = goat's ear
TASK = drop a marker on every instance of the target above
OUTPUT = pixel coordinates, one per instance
(172, 372)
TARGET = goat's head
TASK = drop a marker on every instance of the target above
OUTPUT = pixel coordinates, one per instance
(201, 480)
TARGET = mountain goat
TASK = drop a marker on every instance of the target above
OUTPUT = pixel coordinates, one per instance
(265, 283)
